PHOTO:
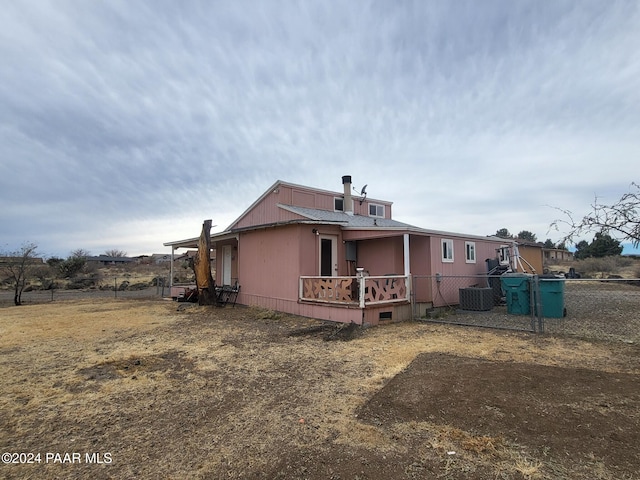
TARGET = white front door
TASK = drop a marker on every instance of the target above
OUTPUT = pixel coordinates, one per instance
(328, 261)
(226, 264)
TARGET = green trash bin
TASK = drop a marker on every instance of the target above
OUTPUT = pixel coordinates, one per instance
(552, 297)
(516, 292)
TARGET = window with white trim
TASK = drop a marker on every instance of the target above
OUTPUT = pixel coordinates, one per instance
(470, 249)
(338, 204)
(447, 250)
(376, 210)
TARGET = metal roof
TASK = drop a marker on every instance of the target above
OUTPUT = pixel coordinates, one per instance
(361, 222)
(344, 219)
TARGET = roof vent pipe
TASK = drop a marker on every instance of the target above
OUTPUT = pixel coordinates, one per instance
(348, 201)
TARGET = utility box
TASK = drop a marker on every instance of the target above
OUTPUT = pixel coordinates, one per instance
(552, 297)
(475, 298)
(516, 289)
(351, 251)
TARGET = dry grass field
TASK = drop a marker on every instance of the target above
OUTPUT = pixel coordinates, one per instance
(156, 389)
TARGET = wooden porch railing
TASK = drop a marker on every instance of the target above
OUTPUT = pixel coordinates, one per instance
(387, 289)
(329, 289)
(358, 290)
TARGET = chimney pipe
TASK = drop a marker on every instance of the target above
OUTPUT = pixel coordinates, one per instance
(348, 201)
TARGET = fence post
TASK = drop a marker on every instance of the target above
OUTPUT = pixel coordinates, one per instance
(115, 287)
(536, 305)
(532, 308)
(414, 312)
(539, 306)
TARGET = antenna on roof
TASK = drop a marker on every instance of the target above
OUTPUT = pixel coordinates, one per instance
(363, 193)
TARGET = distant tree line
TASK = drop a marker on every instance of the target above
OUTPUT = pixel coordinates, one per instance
(528, 236)
(602, 245)
(21, 266)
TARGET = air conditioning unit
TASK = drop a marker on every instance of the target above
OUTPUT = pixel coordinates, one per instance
(476, 298)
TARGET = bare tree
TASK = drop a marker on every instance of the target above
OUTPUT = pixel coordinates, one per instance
(115, 253)
(621, 219)
(18, 267)
(80, 253)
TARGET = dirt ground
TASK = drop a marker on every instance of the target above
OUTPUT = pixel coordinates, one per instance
(156, 389)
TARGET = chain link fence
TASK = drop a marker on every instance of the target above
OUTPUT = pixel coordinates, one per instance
(605, 309)
(120, 288)
(597, 309)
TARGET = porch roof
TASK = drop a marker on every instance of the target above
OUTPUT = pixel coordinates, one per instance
(193, 242)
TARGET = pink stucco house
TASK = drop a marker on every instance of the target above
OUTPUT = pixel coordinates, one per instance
(338, 256)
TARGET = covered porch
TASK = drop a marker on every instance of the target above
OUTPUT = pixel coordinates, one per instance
(297, 284)
(223, 261)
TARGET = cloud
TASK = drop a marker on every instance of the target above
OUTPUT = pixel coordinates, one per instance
(123, 117)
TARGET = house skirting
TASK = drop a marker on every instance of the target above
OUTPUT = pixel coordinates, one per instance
(333, 313)
(371, 315)
(393, 312)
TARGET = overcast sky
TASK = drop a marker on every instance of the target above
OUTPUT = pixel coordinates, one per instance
(124, 125)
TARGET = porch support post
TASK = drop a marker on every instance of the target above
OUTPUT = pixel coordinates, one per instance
(407, 264)
(238, 271)
(361, 286)
(300, 288)
(173, 249)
